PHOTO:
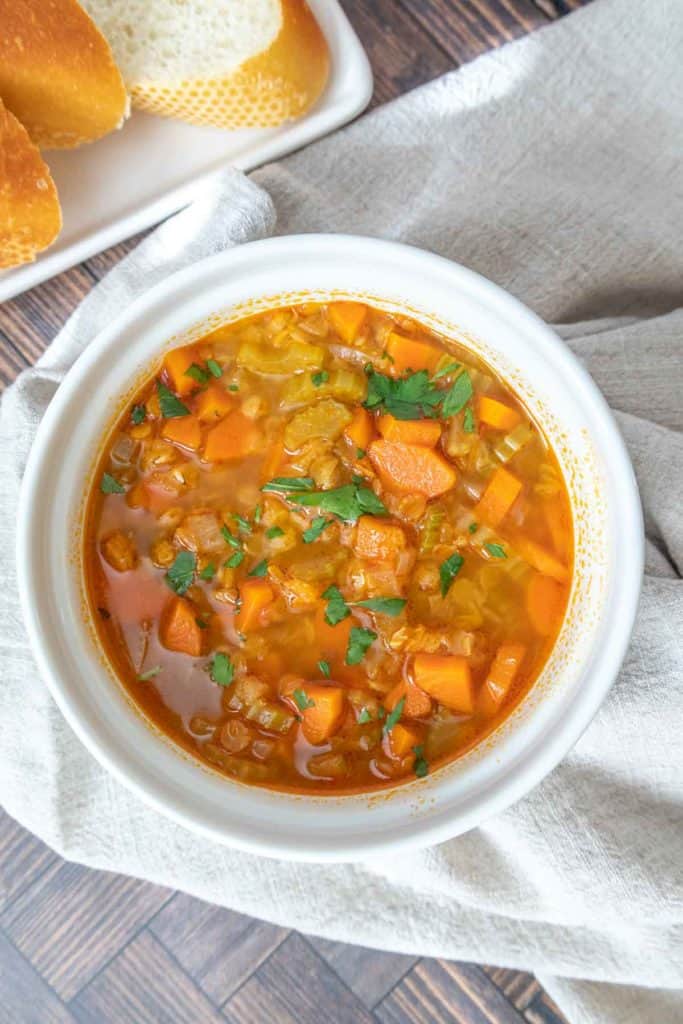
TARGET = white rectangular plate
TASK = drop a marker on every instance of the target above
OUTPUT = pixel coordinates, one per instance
(135, 177)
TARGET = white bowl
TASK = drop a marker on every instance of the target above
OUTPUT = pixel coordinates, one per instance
(560, 395)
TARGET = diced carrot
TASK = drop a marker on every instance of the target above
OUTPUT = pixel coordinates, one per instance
(446, 678)
(179, 630)
(417, 702)
(233, 438)
(322, 718)
(424, 432)
(347, 318)
(496, 414)
(401, 739)
(498, 498)
(540, 559)
(558, 518)
(544, 599)
(360, 430)
(176, 362)
(255, 595)
(501, 675)
(409, 354)
(183, 430)
(412, 468)
(213, 404)
(378, 540)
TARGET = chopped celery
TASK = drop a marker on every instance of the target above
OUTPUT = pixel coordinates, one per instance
(273, 717)
(513, 442)
(294, 358)
(325, 419)
(431, 529)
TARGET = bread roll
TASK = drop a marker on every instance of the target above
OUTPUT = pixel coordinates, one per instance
(227, 63)
(30, 217)
(57, 73)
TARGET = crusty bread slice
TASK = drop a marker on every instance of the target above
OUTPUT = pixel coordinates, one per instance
(30, 217)
(57, 73)
(227, 63)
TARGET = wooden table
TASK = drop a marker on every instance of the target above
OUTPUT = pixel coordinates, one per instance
(81, 945)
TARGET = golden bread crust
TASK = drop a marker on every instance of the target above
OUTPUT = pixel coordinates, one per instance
(30, 216)
(58, 74)
(279, 84)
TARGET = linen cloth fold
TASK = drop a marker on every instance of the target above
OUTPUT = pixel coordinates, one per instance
(553, 166)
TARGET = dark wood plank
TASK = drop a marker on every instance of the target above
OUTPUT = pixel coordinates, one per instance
(218, 948)
(71, 921)
(544, 1011)
(295, 986)
(369, 973)
(517, 986)
(143, 985)
(558, 8)
(467, 28)
(444, 992)
(11, 361)
(23, 858)
(24, 996)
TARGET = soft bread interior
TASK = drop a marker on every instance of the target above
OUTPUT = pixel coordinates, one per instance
(170, 41)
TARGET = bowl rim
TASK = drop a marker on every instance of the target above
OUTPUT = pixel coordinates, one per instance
(527, 770)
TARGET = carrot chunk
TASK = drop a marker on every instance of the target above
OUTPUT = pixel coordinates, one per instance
(255, 595)
(347, 318)
(544, 598)
(417, 702)
(498, 498)
(424, 432)
(501, 675)
(496, 414)
(179, 630)
(233, 438)
(540, 559)
(412, 468)
(401, 739)
(184, 430)
(446, 678)
(409, 354)
(332, 641)
(378, 540)
(359, 431)
(322, 718)
(176, 362)
(213, 404)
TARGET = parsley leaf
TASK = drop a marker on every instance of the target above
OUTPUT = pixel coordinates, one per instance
(213, 368)
(315, 529)
(364, 716)
(274, 531)
(324, 667)
(138, 414)
(421, 768)
(497, 550)
(149, 674)
(258, 512)
(337, 608)
(170, 405)
(196, 373)
(448, 570)
(229, 537)
(302, 700)
(208, 572)
(359, 642)
(473, 527)
(360, 453)
(260, 569)
(234, 560)
(449, 368)
(110, 485)
(243, 523)
(285, 484)
(179, 577)
(468, 420)
(384, 605)
(201, 622)
(233, 387)
(222, 670)
(408, 398)
(393, 716)
(320, 378)
(458, 395)
(348, 502)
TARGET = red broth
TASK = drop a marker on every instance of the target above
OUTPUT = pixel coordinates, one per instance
(326, 550)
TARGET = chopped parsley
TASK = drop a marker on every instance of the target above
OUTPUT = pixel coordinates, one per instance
(196, 373)
(233, 387)
(260, 569)
(287, 484)
(258, 512)
(213, 368)
(244, 524)
(393, 716)
(449, 368)
(149, 674)
(324, 667)
(448, 570)
(208, 572)
(315, 529)
(337, 608)
(421, 768)
(496, 550)
(275, 531)
(222, 670)
(302, 700)
(359, 642)
(230, 538)
(170, 405)
(138, 414)
(384, 605)
(180, 575)
(364, 716)
(458, 395)
(360, 453)
(320, 378)
(348, 503)
(110, 485)
(202, 623)
(473, 527)
(468, 420)
(234, 560)
(407, 398)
